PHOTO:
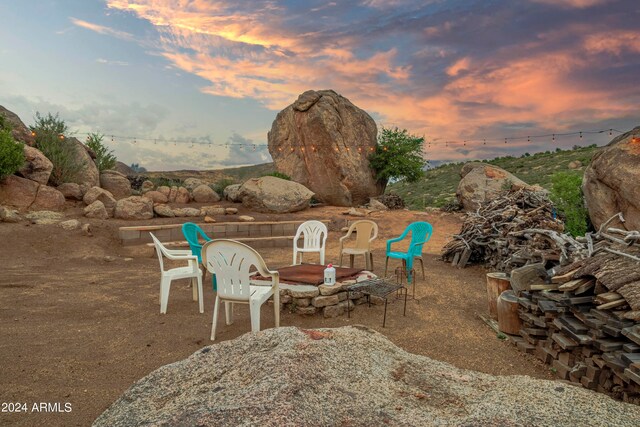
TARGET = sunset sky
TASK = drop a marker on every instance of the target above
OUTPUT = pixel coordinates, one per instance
(219, 71)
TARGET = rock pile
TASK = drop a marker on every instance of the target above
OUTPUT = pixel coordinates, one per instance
(346, 376)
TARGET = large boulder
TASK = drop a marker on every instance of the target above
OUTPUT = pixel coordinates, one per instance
(205, 194)
(182, 195)
(191, 183)
(134, 207)
(482, 182)
(71, 190)
(232, 193)
(89, 176)
(96, 210)
(18, 192)
(115, 183)
(610, 182)
(349, 376)
(271, 194)
(156, 196)
(331, 140)
(124, 169)
(36, 167)
(97, 193)
(48, 199)
(18, 129)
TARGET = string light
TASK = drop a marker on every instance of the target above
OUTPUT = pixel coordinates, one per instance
(580, 135)
(553, 137)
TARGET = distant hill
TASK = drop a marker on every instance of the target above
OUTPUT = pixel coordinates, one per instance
(238, 175)
(438, 185)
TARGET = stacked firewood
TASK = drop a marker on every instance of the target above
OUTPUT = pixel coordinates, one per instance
(519, 227)
(582, 318)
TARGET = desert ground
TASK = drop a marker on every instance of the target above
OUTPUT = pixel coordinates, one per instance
(80, 319)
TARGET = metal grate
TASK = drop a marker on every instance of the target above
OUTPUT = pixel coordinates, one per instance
(378, 287)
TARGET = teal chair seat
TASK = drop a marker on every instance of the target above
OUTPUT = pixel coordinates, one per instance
(192, 234)
(420, 234)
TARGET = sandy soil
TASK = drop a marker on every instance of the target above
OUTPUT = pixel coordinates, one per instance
(80, 320)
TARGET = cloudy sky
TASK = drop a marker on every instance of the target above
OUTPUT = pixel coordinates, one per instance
(219, 71)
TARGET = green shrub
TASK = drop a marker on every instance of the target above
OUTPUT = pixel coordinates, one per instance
(221, 184)
(279, 175)
(566, 193)
(11, 154)
(62, 152)
(168, 182)
(104, 157)
(398, 156)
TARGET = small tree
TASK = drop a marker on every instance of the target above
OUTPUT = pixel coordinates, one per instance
(105, 159)
(50, 139)
(11, 154)
(398, 155)
(566, 193)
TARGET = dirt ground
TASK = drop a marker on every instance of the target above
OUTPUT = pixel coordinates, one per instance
(80, 319)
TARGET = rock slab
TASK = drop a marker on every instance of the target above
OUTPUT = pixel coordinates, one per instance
(347, 376)
(116, 183)
(610, 182)
(331, 140)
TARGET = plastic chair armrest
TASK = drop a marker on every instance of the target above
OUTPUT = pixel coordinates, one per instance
(390, 241)
(182, 256)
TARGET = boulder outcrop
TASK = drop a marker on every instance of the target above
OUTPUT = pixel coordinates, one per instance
(89, 176)
(347, 376)
(18, 129)
(611, 182)
(323, 141)
(134, 207)
(271, 194)
(116, 183)
(26, 194)
(36, 167)
(482, 182)
(96, 210)
(71, 190)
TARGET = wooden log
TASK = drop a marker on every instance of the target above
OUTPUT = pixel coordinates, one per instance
(508, 320)
(522, 278)
(497, 283)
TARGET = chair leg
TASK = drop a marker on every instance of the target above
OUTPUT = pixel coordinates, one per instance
(422, 265)
(200, 295)
(214, 322)
(295, 257)
(254, 312)
(194, 289)
(276, 307)
(165, 285)
(351, 258)
(371, 262)
(228, 313)
(386, 266)
(322, 256)
(341, 255)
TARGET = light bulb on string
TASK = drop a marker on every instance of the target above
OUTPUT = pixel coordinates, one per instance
(580, 135)
(33, 133)
(505, 140)
(553, 137)
(528, 139)
(610, 132)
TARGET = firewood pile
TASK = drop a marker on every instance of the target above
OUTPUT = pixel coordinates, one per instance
(584, 318)
(515, 229)
(392, 201)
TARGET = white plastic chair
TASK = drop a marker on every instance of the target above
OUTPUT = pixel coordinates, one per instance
(231, 262)
(315, 238)
(191, 271)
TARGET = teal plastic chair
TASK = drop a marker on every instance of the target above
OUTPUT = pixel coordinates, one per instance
(420, 234)
(193, 233)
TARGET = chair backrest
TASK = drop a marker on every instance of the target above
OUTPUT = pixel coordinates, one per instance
(160, 250)
(420, 232)
(192, 234)
(314, 233)
(364, 230)
(232, 264)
